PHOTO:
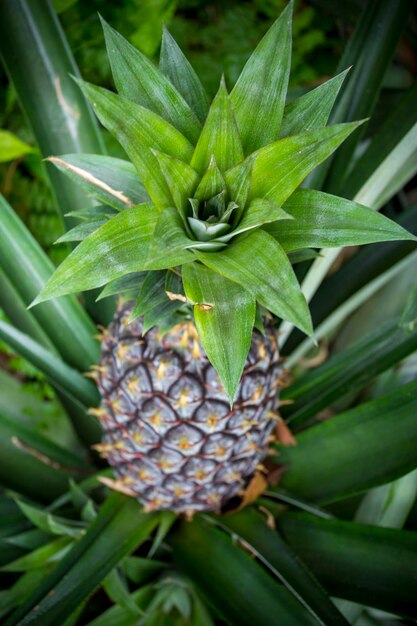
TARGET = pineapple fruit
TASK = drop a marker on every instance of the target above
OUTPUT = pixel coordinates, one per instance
(198, 233)
(171, 435)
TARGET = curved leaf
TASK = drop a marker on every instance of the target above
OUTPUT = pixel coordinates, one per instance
(138, 130)
(369, 445)
(312, 110)
(119, 528)
(277, 556)
(219, 137)
(367, 564)
(112, 181)
(242, 592)
(28, 268)
(118, 247)
(294, 157)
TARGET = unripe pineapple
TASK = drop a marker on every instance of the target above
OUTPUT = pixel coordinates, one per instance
(201, 230)
(171, 434)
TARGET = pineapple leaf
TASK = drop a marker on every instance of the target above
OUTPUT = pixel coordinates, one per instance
(224, 584)
(260, 91)
(322, 220)
(117, 248)
(112, 181)
(152, 293)
(138, 130)
(81, 231)
(311, 111)
(259, 212)
(378, 564)
(180, 178)
(219, 137)
(174, 65)
(119, 529)
(349, 370)
(258, 263)
(294, 158)
(169, 243)
(224, 314)
(238, 180)
(271, 549)
(93, 213)
(348, 441)
(40, 557)
(162, 315)
(64, 377)
(128, 285)
(137, 78)
(212, 182)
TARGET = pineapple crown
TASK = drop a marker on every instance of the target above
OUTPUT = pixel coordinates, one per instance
(207, 213)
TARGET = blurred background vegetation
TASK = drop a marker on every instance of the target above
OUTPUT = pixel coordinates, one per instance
(217, 36)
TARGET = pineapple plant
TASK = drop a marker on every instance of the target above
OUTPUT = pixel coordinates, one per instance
(202, 235)
(199, 230)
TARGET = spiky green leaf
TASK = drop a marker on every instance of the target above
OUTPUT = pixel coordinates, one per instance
(212, 183)
(260, 91)
(138, 79)
(81, 231)
(348, 442)
(219, 137)
(258, 263)
(176, 67)
(112, 181)
(280, 167)
(260, 211)
(118, 247)
(322, 220)
(169, 243)
(312, 110)
(138, 130)
(181, 179)
(224, 314)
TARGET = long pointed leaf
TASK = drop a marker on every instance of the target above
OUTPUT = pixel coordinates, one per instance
(181, 179)
(371, 444)
(29, 461)
(278, 557)
(269, 275)
(28, 268)
(175, 66)
(219, 137)
(374, 566)
(312, 110)
(138, 130)
(119, 529)
(322, 220)
(169, 243)
(260, 91)
(51, 365)
(118, 247)
(137, 78)
(224, 314)
(280, 167)
(351, 369)
(112, 181)
(242, 592)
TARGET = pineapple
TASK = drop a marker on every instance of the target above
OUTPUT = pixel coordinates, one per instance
(171, 435)
(198, 234)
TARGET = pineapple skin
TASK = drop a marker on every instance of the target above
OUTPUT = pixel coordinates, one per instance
(170, 434)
